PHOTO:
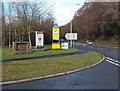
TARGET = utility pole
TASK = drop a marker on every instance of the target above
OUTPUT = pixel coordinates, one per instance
(71, 32)
(71, 42)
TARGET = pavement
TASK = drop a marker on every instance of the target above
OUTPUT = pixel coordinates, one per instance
(103, 76)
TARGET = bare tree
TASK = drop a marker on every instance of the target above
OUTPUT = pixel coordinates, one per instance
(29, 15)
(23, 19)
(2, 24)
(97, 20)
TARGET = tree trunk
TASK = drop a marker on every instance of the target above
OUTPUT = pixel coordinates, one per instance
(3, 39)
(22, 37)
(9, 37)
(15, 36)
(29, 37)
(87, 34)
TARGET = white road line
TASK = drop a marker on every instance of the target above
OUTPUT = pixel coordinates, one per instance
(113, 60)
(113, 63)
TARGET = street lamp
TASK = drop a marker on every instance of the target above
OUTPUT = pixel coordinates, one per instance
(71, 32)
(71, 44)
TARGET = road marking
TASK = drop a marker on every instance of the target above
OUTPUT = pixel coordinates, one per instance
(113, 63)
(113, 60)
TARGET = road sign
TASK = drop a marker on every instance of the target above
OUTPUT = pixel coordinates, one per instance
(64, 45)
(56, 34)
(39, 39)
(55, 37)
(71, 36)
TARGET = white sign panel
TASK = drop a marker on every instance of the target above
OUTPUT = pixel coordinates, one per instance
(39, 39)
(64, 45)
(71, 36)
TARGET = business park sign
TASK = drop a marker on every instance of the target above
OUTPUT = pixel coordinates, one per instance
(39, 39)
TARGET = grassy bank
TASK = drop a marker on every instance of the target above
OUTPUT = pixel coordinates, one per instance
(104, 41)
(41, 67)
(0, 53)
(7, 52)
(107, 43)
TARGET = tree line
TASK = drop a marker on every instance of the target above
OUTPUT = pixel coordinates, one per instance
(20, 20)
(96, 20)
(92, 21)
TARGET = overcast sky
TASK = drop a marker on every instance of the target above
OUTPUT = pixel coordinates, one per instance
(64, 10)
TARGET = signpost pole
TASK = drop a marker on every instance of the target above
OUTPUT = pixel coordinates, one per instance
(71, 42)
(71, 32)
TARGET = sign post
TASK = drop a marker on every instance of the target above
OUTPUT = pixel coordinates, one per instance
(71, 36)
(55, 37)
(39, 39)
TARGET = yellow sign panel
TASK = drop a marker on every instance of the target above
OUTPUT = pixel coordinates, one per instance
(55, 37)
(55, 33)
(55, 45)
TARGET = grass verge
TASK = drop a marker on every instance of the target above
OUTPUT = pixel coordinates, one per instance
(47, 66)
(107, 43)
(7, 52)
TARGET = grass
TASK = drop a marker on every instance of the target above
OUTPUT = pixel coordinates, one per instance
(7, 52)
(42, 67)
(107, 43)
(0, 53)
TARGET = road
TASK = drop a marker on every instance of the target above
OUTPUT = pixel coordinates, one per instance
(102, 76)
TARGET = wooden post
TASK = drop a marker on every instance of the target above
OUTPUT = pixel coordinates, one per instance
(14, 47)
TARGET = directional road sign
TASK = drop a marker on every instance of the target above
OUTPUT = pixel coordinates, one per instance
(71, 36)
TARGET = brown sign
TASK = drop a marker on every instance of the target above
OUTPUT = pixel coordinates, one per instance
(21, 47)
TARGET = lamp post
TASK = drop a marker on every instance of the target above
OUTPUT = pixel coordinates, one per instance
(71, 32)
(71, 44)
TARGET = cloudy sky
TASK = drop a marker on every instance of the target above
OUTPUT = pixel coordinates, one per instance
(64, 10)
